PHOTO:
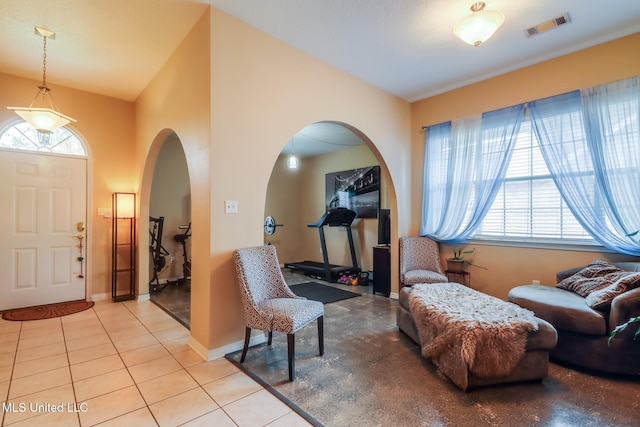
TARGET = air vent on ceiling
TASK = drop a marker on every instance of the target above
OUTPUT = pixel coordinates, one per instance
(548, 25)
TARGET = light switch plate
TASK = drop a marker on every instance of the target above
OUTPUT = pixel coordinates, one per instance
(231, 206)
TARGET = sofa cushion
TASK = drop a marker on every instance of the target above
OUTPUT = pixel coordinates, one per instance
(413, 277)
(601, 299)
(563, 309)
(597, 275)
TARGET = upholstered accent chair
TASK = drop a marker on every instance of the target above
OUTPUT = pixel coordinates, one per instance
(268, 303)
(420, 261)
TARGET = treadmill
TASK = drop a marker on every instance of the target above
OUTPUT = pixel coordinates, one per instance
(340, 217)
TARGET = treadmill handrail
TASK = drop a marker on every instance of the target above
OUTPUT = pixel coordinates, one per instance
(339, 217)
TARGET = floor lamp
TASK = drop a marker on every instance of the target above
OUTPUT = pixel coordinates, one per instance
(123, 246)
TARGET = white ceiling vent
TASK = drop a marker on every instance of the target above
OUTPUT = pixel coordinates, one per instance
(548, 25)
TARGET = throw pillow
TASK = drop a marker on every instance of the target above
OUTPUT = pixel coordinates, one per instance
(601, 300)
(591, 278)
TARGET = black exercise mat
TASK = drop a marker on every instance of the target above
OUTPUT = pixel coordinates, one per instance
(323, 293)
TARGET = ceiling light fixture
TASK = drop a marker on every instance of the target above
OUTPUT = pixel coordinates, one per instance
(292, 161)
(478, 27)
(48, 118)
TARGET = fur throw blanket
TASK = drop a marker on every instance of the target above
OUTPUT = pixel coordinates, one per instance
(462, 330)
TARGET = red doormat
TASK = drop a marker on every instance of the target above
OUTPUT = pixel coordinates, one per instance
(47, 311)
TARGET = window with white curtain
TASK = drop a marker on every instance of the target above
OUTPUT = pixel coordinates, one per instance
(528, 206)
(568, 173)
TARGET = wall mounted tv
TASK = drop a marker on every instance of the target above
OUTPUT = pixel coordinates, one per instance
(384, 227)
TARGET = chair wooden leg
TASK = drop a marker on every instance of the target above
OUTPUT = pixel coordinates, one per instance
(321, 334)
(291, 355)
(247, 336)
(270, 338)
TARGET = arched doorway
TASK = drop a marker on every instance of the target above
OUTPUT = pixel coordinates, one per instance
(297, 197)
(170, 215)
(44, 186)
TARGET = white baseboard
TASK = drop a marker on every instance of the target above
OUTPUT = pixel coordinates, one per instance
(219, 352)
(100, 297)
(198, 348)
(105, 296)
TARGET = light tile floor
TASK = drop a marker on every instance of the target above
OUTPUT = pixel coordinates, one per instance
(123, 364)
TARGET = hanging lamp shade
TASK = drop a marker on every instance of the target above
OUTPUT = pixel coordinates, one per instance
(292, 160)
(478, 27)
(46, 118)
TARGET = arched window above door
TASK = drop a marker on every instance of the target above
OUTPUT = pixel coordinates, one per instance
(21, 136)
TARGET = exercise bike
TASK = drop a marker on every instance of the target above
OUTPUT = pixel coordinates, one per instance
(186, 266)
(158, 252)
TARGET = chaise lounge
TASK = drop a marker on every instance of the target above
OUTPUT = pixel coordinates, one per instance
(459, 345)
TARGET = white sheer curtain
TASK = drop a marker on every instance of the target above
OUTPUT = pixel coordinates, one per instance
(465, 163)
(590, 140)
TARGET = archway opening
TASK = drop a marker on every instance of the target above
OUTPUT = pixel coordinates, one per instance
(170, 231)
(331, 156)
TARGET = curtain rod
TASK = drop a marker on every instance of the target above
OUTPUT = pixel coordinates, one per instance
(526, 109)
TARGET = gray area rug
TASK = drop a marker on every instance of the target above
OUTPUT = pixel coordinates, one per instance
(318, 292)
(373, 375)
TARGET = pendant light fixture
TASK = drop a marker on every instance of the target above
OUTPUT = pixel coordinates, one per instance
(292, 161)
(478, 27)
(48, 118)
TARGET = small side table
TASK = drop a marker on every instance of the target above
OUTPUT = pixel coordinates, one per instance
(462, 277)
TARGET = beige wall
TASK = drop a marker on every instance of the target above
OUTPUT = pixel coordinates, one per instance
(178, 100)
(511, 266)
(264, 91)
(283, 202)
(234, 96)
(296, 198)
(106, 126)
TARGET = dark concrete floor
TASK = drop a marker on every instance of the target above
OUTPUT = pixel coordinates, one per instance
(176, 301)
(373, 375)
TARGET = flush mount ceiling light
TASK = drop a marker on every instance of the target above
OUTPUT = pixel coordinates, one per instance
(48, 118)
(478, 27)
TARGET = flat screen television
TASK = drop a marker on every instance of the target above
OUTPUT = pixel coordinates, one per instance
(384, 227)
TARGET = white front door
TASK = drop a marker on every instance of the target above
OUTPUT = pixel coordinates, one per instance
(43, 198)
